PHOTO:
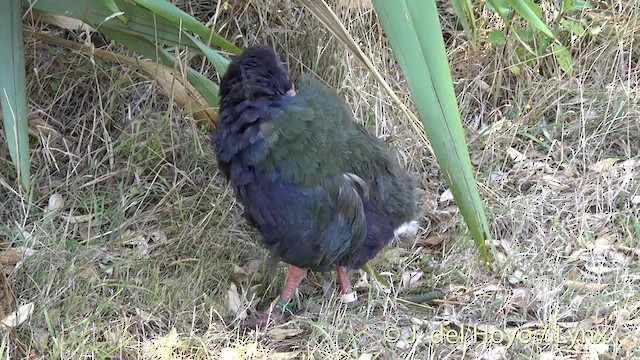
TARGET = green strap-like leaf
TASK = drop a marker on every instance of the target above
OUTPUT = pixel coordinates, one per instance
(142, 22)
(501, 7)
(413, 30)
(220, 63)
(151, 26)
(529, 13)
(13, 96)
(206, 87)
(464, 11)
(114, 7)
(179, 17)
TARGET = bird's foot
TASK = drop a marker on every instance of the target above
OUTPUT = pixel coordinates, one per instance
(261, 319)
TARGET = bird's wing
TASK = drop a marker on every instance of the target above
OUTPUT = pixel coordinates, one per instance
(308, 138)
(307, 146)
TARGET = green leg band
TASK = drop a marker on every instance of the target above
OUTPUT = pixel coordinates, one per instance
(285, 305)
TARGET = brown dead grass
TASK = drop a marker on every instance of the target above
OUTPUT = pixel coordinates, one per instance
(139, 260)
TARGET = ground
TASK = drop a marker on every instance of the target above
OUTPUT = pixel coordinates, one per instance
(135, 248)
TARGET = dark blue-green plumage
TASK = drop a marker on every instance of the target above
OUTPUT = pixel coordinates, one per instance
(321, 190)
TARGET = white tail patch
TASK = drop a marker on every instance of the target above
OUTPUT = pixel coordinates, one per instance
(408, 229)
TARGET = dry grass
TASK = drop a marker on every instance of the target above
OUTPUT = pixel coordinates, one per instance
(139, 260)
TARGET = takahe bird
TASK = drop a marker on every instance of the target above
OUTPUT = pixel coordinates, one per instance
(322, 191)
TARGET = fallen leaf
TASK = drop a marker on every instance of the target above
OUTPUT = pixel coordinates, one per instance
(138, 242)
(497, 176)
(619, 316)
(228, 353)
(533, 165)
(64, 22)
(630, 164)
(494, 353)
(573, 274)
(363, 281)
(605, 240)
(600, 270)
(86, 232)
(432, 240)
(239, 274)
(19, 316)
(146, 316)
(596, 350)
(56, 202)
(630, 343)
(585, 287)
(555, 182)
(162, 347)
(39, 128)
(603, 165)
(519, 296)
(618, 257)
(497, 127)
(10, 256)
(410, 278)
(40, 338)
(87, 272)
(447, 195)
(281, 333)
(74, 219)
(488, 288)
(253, 266)
(235, 302)
(284, 355)
(547, 355)
(517, 277)
(157, 237)
(515, 155)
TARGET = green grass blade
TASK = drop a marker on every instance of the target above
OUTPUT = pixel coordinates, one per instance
(464, 11)
(179, 17)
(220, 63)
(528, 13)
(151, 27)
(501, 7)
(115, 9)
(141, 21)
(413, 30)
(205, 87)
(13, 95)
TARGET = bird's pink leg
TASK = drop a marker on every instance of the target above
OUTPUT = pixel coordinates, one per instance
(349, 296)
(343, 280)
(295, 275)
(294, 279)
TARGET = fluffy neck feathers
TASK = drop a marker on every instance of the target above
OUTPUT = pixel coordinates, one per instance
(257, 75)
